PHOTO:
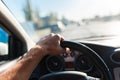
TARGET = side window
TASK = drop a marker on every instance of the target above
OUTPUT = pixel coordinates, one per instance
(3, 44)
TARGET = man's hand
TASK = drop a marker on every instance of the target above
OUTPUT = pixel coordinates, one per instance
(51, 44)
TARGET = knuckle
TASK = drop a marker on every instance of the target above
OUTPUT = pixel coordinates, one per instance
(57, 35)
(52, 34)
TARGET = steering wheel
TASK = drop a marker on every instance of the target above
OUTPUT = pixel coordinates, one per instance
(74, 75)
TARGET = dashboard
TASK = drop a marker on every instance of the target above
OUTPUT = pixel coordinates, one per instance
(75, 61)
(79, 61)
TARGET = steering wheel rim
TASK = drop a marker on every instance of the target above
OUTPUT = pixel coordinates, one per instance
(96, 58)
(66, 75)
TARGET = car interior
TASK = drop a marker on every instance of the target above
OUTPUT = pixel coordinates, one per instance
(87, 60)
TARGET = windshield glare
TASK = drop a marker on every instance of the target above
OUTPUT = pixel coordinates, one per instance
(73, 19)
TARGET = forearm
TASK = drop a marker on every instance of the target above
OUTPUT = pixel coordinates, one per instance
(22, 70)
(24, 67)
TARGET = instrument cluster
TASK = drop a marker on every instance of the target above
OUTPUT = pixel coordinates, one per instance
(75, 61)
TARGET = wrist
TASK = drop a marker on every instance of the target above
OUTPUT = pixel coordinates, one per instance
(40, 50)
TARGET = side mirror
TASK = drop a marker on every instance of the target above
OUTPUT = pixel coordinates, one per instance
(3, 48)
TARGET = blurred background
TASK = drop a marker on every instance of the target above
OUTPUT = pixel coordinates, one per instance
(87, 20)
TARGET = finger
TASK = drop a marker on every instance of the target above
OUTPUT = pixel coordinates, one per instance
(62, 50)
(58, 37)
(68, 50)
(62, 38)
(65, 50)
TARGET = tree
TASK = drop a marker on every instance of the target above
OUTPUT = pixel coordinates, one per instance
(37, 18)
(28, 11)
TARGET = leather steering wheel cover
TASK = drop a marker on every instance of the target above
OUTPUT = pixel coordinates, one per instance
(65, 75)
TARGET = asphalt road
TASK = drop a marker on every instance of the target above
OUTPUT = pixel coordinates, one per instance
(106, 33)
(94, 29)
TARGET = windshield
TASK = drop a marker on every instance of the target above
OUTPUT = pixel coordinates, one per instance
(73, 19)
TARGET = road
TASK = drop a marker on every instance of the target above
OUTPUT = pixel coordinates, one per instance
(95, 31)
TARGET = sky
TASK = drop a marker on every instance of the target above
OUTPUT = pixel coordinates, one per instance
(71, 9)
